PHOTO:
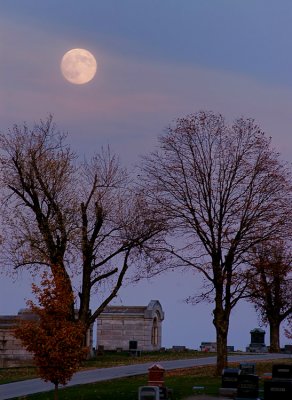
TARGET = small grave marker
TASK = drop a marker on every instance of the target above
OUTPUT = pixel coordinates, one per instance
(230, 377)
(156, 375)
(248, 387)
(229, 382)
(247, 368)
(149, 393)
(278, 390)
(282, 371)
(280, 386)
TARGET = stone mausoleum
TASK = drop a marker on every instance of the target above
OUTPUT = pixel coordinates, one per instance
(120, 327)
(12, 354)
(11, 351)
(117, 326)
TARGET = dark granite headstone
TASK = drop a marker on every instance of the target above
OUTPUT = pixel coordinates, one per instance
(257, 341)
(247, 368)
(163, 393)
(230, 377)
(282, 371)
(257, 336)
(278, 390)
(248, 386)
(288, 349)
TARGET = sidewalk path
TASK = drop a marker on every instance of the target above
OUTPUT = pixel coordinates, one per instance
(206, 397)
(23, 388)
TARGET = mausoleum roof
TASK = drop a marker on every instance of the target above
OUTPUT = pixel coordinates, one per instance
(150, 311)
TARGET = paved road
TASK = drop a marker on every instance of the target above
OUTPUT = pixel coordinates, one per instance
(23, 388)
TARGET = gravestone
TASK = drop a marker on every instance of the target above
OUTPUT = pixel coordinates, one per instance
(278, 390)
(287, 349)
(149, 393)
(156, 375)
(280, 386)
(230, 377)
(282, 372)
(229, 381)
(179, 348)
(257, 341)
(247, 387)
(164, 393)
(247, 368)
(257, 336)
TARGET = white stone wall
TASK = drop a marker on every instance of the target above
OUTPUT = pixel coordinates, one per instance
(116, 332)
(116, 329)
(12, 353)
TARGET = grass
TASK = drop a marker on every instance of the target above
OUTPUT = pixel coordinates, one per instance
(108, 359)
(111, 359)
(180, 381)
(127, 388)
(8, 375)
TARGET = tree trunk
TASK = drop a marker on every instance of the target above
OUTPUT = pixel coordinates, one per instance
(221, 337)
(221, 323)
(274, 336)
(56, 391)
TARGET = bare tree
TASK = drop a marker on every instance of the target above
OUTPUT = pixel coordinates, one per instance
(85, 220)
(222, 190)
(271, 286)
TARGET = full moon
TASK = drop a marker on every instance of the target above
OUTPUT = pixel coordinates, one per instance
(78, 66)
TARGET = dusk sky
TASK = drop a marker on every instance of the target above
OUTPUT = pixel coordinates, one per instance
(157, 60)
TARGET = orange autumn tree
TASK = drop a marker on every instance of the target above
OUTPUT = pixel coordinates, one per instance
(54, 339)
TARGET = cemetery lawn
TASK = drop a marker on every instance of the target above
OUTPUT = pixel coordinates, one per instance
(127, 388)
(180, 381)
(109, 359)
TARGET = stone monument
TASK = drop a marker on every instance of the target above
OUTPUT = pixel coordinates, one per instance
(257, 341)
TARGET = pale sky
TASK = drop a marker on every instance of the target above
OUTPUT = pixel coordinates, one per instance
(157, 60)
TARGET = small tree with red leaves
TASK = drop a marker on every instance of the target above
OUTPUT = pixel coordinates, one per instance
(56, 340)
